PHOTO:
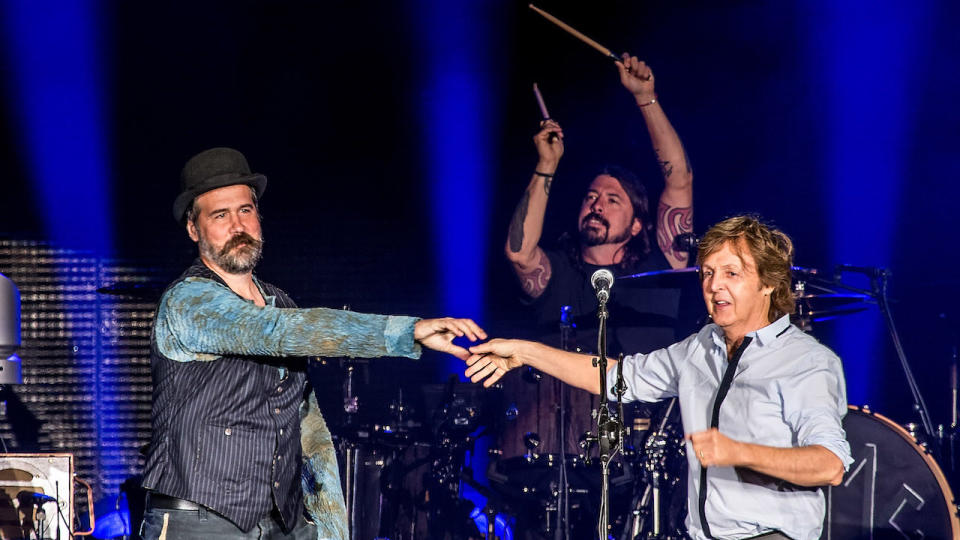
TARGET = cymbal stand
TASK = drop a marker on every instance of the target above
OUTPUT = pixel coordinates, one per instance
(351, 408)
(655, 465)
(878, 283)
(562, 530)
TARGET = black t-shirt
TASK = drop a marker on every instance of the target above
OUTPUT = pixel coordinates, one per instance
(643, 316)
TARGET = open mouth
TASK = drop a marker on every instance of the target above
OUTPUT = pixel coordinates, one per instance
(593, 220)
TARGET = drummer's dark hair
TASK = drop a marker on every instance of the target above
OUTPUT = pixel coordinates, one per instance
(638, 248)
(771, 249)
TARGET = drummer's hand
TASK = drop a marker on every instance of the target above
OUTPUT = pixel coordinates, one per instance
(637, 78)
(549, 151)
(438, 334)
(714, 449)
(492, 360)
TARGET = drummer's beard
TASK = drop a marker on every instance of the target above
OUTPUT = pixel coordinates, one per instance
(592, 236)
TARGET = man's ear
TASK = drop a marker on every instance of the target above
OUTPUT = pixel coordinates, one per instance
(636, 227)
(192, 231)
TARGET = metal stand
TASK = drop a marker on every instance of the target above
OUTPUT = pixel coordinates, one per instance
(562, 530)
(878, 283)
(609, 428)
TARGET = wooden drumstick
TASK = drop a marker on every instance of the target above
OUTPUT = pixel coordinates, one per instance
(543, 106)
(572, 31)
(543, 111)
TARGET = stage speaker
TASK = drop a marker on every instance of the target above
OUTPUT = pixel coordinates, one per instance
(36, 495)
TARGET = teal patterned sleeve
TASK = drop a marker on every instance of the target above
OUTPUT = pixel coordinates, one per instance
(200, 319)
(320, 478)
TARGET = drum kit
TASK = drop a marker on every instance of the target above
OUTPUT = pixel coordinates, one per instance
(404, 471)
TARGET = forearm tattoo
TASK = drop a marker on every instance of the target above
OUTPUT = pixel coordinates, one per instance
(673, 221)
(546, 185)
(516, 224)
(535, 280)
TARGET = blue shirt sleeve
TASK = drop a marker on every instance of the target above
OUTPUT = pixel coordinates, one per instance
(200, 319)
(814, 403)
(651, 377)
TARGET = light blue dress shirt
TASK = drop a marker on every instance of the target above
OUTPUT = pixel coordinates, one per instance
(788, 391)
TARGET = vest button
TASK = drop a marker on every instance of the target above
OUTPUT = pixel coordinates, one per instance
(281, 431)
(227, 432)
(276, 484)
(276, 411)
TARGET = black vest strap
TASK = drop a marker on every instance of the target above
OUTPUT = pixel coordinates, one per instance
(715, 423)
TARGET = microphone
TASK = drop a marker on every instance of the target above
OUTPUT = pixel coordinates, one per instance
(36, 498)
(687, 241)
(602, 281)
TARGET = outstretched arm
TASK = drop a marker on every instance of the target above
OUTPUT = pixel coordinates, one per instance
(492, 360)
(438, 334)
(529, 262)
(675, 209)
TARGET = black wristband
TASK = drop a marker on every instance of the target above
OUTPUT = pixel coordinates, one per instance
(545, 175)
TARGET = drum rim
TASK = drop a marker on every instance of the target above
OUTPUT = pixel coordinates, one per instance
(927, 458)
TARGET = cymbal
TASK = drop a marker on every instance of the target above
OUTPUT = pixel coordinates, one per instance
(670, 279)
(827, 314)
(838, 297)
(656, 274)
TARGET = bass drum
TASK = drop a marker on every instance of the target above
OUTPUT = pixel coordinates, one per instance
(893, 490)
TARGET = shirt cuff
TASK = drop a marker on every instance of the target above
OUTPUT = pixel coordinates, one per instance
(398, 337)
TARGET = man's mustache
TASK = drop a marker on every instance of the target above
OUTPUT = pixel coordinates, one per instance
(596, 216)
(239, 240)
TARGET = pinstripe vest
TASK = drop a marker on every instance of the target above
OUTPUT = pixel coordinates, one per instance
(226, 433)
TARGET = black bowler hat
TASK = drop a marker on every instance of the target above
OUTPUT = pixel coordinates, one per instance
(212, 169)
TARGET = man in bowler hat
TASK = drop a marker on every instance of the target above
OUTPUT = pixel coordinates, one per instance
(239, 447)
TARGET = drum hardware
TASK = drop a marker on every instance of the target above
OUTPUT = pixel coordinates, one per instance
(879, 279)
(646, 519)
(532, 375)
(568, 341)
(531, 441)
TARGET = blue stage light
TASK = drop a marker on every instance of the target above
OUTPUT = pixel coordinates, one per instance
(866, 124)
(57, 90)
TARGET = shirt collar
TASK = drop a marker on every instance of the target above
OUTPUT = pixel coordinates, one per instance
(769, 333)
(764, 336)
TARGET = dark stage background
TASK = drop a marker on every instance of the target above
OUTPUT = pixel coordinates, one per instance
(397, 140)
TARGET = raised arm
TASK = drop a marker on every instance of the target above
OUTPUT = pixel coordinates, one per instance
(523, 251)
(675, 210)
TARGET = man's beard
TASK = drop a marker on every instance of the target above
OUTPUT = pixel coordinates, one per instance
(240, 254)
(591, 236)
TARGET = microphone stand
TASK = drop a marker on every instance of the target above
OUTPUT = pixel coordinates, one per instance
(609, 429)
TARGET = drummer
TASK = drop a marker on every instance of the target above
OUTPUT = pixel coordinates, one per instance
(615, 229)
(761, 401)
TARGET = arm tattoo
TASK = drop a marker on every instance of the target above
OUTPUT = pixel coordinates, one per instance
(666, 169)
(516, 224)
(673, 221)
(535, 280)
(546, 185)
